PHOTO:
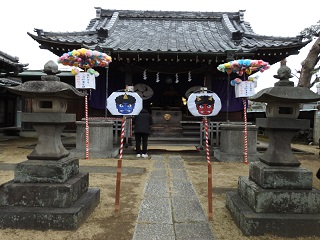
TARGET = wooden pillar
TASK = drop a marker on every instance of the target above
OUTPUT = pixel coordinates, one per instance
(208, 76)
(128, 76)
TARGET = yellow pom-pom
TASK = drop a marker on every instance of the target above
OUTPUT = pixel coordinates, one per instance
(227, 65)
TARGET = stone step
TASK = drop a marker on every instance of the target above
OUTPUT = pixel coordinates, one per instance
(185, 141)
(257, 224)
(42, 218)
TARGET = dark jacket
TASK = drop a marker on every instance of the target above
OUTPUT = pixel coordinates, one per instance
(142, 122)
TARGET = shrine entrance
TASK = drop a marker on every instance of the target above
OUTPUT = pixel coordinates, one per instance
(167, 104)
(166, 123)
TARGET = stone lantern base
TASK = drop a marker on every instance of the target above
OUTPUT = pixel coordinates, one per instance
(47, 195)
(276, 200)
(48, 191)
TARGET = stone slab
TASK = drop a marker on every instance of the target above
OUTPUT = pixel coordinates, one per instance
(182, 188)
(176, 162)
(38, 171)
(42, 218)
(44, 194)
(278, 200)
(157, 187)
(279, 224)
(155, 210)
(276, 177)
(90, 169)
(192, 231)
(231, 157)
(154, 231)
(187, 209)
(159, 164)
(81, 153)
(180, 174)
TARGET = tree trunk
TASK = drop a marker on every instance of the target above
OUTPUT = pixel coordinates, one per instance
(307, 66)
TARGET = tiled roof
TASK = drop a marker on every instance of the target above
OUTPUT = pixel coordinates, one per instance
(6, 82)
(168, 31)
(10, 65)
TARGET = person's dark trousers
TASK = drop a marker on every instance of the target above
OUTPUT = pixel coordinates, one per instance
(144, 138)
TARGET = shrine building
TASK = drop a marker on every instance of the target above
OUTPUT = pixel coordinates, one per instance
(167, 55)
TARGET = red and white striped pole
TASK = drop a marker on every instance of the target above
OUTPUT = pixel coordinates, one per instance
(206, 127)
(118, 183)
(87, 123)
(245, 131)
(122, 136)
(205, 121)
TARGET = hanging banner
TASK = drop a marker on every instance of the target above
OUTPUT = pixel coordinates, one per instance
(85, 80)
(204, 104)
(124, 103)
(244, 89)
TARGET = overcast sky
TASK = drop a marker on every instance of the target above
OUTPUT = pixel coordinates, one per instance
(283, 18)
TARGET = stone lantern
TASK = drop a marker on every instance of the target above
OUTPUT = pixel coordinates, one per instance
(48, 191)
(283, 108)
(278, 197)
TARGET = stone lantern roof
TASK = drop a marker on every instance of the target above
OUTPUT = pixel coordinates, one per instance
(49, 86)
(284, 90)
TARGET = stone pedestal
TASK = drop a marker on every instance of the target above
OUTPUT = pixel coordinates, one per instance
(49, 144)
(276, 200)
(100, 139)
(232, 143)
(48, 191)
(47, 195)
(280, 132)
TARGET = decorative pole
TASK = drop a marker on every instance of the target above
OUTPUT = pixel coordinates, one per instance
(228, 96)
(205, 120)
(245, 131)
(107, 86)
(85, 59)
(243, 67)
(118, 183)
(87, 123)
(205, 104)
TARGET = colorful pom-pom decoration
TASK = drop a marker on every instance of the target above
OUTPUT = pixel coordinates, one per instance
(85, 58)
(242, 66)
(235, 81)
(75, 71)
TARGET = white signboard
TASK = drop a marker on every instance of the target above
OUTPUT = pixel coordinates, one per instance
(244, 89)
(124, 103)
(204, 104)
(85, 80)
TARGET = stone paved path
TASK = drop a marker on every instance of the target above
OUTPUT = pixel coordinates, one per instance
(171, 209)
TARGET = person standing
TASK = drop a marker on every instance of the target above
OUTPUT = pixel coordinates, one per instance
(142, 123)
